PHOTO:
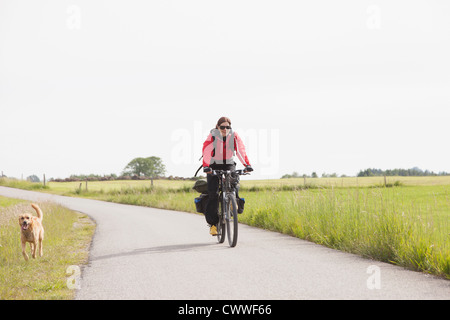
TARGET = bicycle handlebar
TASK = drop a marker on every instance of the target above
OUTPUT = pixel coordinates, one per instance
(239, 172)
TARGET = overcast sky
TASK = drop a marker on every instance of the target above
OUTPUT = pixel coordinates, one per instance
(326, 86)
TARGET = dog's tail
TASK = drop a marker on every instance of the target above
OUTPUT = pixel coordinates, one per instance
(38, 211)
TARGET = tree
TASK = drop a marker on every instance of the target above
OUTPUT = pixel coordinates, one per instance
(33, 178)
(149, 167)
(293, 175)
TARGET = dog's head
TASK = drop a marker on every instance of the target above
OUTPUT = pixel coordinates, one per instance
(25, 221)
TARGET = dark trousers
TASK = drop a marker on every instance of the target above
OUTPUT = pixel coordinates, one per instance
(213, 197)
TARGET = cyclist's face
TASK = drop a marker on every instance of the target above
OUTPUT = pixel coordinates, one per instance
(224, 132)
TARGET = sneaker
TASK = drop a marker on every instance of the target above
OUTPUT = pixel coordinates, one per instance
(213, 231)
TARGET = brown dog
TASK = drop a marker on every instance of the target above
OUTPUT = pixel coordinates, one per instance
(32, 231)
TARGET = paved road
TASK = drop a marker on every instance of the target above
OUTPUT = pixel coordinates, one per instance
(146, 253)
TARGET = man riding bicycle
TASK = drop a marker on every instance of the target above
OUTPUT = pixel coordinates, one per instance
(218, 151)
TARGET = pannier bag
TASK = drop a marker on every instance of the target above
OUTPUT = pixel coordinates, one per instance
(201, 186)
(240, 203)
(200, 203)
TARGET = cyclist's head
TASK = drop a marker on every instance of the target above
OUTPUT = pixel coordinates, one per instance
(224, 125)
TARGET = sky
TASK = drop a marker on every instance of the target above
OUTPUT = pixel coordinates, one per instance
(310, 86)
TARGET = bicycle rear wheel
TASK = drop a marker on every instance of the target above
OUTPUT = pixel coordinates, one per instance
(232, 220)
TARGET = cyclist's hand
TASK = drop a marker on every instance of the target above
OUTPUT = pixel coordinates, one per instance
(207, 170)
(248, 169)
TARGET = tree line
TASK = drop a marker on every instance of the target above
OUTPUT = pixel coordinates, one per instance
(140, 168)
(372, 172)
(417, 172)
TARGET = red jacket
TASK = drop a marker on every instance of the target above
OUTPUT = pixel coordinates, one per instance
(218, 152)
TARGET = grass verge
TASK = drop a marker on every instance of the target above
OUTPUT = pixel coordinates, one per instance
(393, 225)
(67, 237)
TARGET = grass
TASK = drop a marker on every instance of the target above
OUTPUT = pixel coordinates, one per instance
(66, 241)
(405, 222)
(6, 202)
(386, 224)
(22, 184)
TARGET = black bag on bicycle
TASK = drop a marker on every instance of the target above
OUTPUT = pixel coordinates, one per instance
(240, 204)
(201, 202)
(201, 186)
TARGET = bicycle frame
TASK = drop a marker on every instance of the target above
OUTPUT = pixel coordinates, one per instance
(227, 191)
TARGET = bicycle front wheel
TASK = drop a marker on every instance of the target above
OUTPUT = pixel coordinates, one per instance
(232, 220)
(221, 225)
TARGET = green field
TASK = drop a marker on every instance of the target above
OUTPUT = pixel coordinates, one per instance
(106, 186)
(66, 240)
(405, 222)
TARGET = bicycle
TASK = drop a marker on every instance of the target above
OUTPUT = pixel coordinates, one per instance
(228, 210)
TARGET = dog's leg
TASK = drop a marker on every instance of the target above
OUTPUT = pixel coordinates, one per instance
(41, 251)
(24, 244)
(33, 249)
